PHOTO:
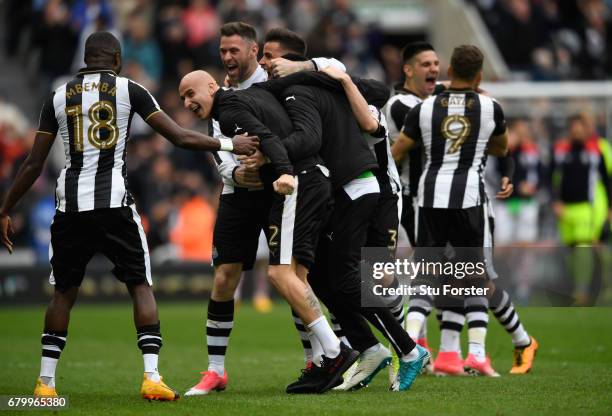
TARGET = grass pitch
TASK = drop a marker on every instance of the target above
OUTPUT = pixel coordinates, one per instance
(101, 368)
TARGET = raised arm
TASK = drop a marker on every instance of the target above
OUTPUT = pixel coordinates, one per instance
(282, 67)
(359, 105)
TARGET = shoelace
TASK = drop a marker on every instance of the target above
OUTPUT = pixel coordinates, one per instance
(306, 372)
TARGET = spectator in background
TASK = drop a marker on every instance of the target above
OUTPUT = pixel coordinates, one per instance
(517, 216)
(578, 166)
(85, 12)
(239, 11)
(13, 129)
(594, 17)
(302, 15)
(330, 37)
(157, 199)
(552, 39)
(518, 37)
(202, 24)
(192, 228)
(140, 51)
(100, 23)
(173, 44)
(56, 40)
(17, 20)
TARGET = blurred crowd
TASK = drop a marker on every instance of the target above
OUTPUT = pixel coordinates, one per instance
(176, 190)
(165, 39)
(550, 40)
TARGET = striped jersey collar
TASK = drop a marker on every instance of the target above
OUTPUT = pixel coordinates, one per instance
(85, 71)
(401, 89)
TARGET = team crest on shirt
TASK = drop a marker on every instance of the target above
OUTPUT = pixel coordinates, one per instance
(457, 129)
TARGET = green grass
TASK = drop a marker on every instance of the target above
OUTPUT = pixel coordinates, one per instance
(101, 368)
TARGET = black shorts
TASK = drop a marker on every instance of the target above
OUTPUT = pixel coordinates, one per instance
(408, 218)
(114, 232)
(240, 218)
(463, 229)
(382, 231)
(296, 220)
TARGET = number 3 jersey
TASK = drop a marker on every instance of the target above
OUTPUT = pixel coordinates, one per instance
(92, 114)
(454, 129)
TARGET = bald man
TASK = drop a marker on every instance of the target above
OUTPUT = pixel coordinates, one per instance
(297, 211)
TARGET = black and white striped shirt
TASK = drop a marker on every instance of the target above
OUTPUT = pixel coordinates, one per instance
(454, 128)
(387, 175)
(396, 110)
(92, 113)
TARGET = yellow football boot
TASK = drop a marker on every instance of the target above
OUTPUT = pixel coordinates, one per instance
(42, 390)
(524, 357)
(152, 390)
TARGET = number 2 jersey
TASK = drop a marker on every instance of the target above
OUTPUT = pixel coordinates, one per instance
(454, 129)
(92, 114)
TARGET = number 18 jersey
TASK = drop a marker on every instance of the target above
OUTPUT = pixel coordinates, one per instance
(92, 114)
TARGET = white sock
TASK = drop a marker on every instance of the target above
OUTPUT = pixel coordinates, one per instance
(329, 341)
(150, 366)
(476, 340)
(216, 366)
(423, 331)
(414, 322)
(450, 339)
(412, 355)
(520, 337)
(47, 370)
(317, 349)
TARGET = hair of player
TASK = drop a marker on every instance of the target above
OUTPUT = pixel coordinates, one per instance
(101, 46)
(295, 57)
(466, 62)
(414, 48)
(244, 30)
(289, 40)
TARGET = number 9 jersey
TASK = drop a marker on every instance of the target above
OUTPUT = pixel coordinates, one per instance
(454, 129)
(92, 114)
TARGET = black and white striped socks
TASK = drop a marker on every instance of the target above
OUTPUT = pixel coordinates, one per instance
(218, 329)
(503, 309)
(299, 325)
(150, 342)
(53, 343)
(477, 316)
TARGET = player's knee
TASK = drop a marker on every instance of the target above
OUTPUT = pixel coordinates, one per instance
(226, 281)
(275, 275)
(279, 276)
(64, 298)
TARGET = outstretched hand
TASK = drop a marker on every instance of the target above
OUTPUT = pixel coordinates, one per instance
(6, 228)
